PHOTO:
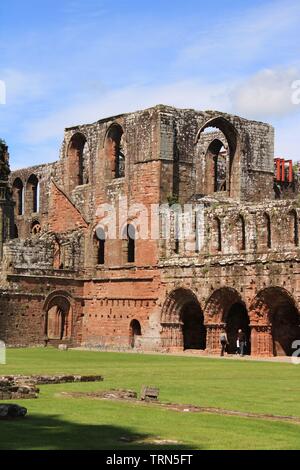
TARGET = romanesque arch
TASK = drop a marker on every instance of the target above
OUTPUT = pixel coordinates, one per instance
(183, 321)
(275, 322)
(58, 310)
(135, 330)
(225, 310)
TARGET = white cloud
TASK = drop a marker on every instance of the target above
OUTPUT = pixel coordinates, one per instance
(266, 94)
(190, 93)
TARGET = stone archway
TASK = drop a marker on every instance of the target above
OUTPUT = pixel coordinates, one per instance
(193, 329)
(225, 304)
(225, 134)
(183, 322)
(237, 318)
(135, 330)
(275, 322)
(58, 319)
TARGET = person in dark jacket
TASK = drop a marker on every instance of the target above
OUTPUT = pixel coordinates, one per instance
(224, 342)
(241, 342)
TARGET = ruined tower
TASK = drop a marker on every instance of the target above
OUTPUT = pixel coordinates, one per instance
(6, 201)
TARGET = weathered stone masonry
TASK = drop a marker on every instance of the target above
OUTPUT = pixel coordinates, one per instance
(63, 282)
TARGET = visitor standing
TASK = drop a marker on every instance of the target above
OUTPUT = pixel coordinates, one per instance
(224, 342)
(241, 342)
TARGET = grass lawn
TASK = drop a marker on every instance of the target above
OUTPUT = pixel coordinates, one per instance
(57, 422)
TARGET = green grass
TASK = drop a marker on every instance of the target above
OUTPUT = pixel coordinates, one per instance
(57, 422)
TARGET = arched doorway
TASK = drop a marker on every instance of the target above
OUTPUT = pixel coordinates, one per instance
(134, 331)
(237, 318)
(193, 329)
(58, 324)
(183, 321)
(285, 329)
(224, 311)
(275, 308)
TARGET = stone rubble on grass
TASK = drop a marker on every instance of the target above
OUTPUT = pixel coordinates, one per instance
(25, 387)
(11, 389)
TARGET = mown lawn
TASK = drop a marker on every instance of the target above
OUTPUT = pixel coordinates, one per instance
(58, 422)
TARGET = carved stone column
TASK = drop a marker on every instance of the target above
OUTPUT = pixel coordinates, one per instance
(213, 332)
(172, 336)
(261, 340)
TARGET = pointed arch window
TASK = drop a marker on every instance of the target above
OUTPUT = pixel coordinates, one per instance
(115, 152)
(18, 192)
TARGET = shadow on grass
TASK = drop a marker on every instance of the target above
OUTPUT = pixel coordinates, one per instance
(39, 432)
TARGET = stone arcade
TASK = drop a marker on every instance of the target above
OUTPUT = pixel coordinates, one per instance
(64, 281)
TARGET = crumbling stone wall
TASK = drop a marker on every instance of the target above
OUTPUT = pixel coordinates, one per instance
(250, 242)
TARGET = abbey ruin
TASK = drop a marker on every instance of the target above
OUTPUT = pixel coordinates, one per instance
(64, 280)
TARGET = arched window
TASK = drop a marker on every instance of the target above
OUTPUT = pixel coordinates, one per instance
(293, 228)
(32, 194)
(129, 236)
(18, 193)
(100, 243)
(216, 166)
(115, 151)
(218, 158)
(268, 230)
(77, 160)
(241, 234)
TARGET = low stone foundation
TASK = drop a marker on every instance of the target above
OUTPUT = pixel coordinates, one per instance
(25, 387)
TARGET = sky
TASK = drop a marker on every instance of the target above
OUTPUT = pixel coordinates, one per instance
(68, 62)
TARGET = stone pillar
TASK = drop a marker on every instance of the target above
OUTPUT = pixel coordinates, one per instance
(213, 332)
(172, 336)
(6, 215)
(261, 340)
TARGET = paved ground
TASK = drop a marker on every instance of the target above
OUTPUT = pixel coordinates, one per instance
(196, 353)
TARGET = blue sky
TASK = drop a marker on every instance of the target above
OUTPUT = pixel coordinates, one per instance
(68, 62)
